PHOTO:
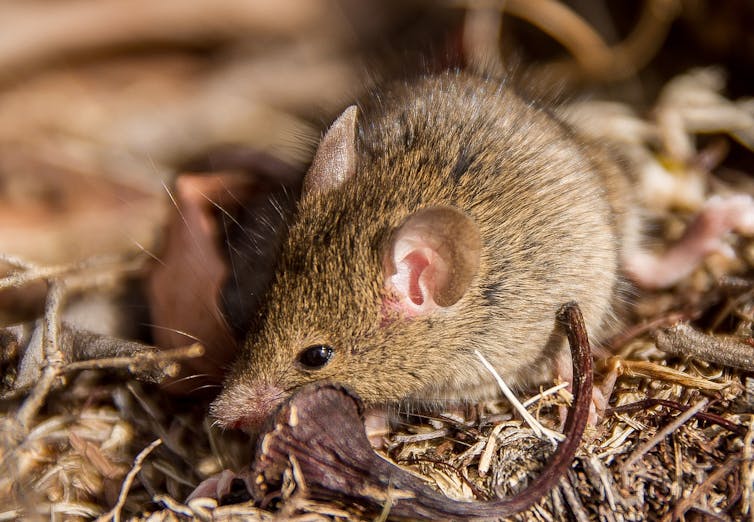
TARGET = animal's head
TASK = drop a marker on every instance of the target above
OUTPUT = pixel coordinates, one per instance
(363, 296)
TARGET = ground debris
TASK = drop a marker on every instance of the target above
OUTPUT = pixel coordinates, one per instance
(96, 124)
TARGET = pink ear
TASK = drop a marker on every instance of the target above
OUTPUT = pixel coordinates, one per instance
(431, 260)
(335, 159)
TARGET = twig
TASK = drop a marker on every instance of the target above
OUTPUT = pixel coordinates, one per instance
(114, 513)
(688, 502)
(549, 391)
(455, 469)
(660, 435)
(16, 262)
(83, 350)
(30, 272)
(702, 415)
(137, 362)
(648, 369)
(53, 358)
(594, 467)
(571, 496)
(683, 340)
(173, 505)
(534, 424)
(89, 350)
(489, 449)
(747, 475)
(50, 341)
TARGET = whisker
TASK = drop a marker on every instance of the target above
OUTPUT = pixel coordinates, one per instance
(231, 261)
(190, 377)
(175, 330)
(221, 209)
(278, 208)
(231, 193)
(148, 252)
(206, 305)
(208, 355)
(183, 218)
(205, 387)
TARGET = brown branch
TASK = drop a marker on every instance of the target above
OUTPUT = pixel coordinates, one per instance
(77, 350)
(147, 363)
(688, 502)
(53, 358)
(572, 497)
(702, 415)
(660, 435)
(321, 427)
(29, 272)
(114, 513)
(151, 366)
(651, 370)
(685, 341)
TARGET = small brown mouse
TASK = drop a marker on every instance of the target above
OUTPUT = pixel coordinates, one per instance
(445, 216)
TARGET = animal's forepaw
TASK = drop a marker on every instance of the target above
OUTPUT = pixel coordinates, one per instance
(222, 485)
(377, 426)
(705, 235)
(730, 213)
(598, 406)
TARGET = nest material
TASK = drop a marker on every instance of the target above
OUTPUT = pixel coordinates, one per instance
(79, 433)
(636, 464)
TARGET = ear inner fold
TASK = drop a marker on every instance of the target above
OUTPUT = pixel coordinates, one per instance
(432, 258)
(335, 159)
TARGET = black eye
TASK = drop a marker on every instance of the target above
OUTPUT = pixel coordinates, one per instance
(315, 357)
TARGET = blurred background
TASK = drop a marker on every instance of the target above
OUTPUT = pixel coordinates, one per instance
(103, 102)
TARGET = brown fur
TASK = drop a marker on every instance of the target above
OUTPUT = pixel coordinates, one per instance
(550, 217)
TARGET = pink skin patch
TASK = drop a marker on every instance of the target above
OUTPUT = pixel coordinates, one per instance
(409, 274)
(377, 426)
(248, 407)
(705, 235)
(600, 394)
(215, 486)
(410, 289)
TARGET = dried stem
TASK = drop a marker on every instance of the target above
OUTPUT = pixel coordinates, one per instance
(114, 513)
(54, 359)
(701, 415)
(29, 272)
(660, 435)
(143, 364)
(534, 424)
(684, 341)
(688, 502)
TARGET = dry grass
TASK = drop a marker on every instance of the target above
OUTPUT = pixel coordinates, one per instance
(91, 131)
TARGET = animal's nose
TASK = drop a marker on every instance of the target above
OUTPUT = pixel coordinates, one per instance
(247, 407)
